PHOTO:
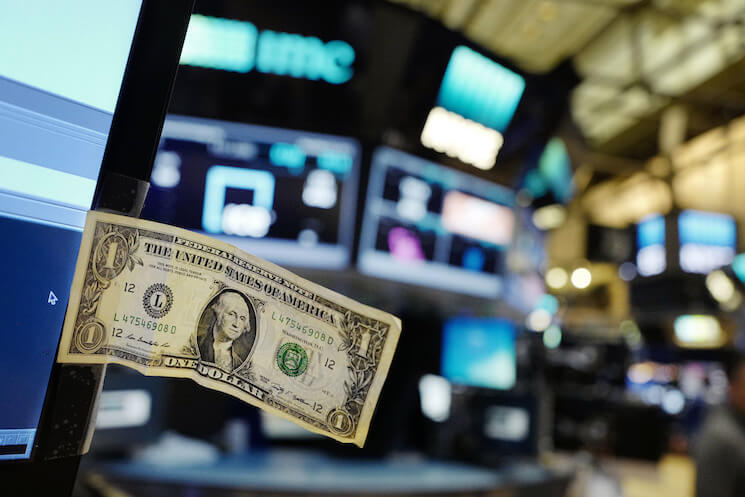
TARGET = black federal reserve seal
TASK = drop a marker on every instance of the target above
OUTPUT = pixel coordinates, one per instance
(158, 300)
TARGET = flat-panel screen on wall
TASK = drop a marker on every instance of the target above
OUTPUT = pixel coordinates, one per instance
(708, 240)
(430, 225)
(287, 196)
(479, 352)
(61, 70)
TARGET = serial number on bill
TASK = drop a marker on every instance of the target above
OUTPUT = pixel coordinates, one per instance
(148, 324)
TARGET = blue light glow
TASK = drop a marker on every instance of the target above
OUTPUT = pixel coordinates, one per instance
(556, 169)
(651, 231)
(548, 303)
(707, 228)
(479, 352)
(474, 259)
(479, 89)
(336, 162)
(738, 266)
(220, 178)
(287, 155)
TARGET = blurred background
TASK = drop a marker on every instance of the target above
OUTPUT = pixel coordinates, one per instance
(545, 191)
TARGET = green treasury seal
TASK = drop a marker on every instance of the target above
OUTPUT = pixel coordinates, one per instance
(292, 359)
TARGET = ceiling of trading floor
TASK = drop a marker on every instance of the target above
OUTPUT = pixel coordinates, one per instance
(635, 58)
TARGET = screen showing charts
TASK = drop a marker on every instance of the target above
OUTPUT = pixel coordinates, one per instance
(430, 225)
(61, 68)
(286, 196)
(479, 352)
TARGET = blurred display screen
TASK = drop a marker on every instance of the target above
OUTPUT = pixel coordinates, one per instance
(429, 225)
(479, 352)
(738, 266)
(287, 196)
(435, 397)
(708, 240)
(606, 244)
(553, 176)
(283, 63)
(673, 387)
(123, 409)
(697, 330)
(650, 243)
(231, 45)
(507, 423)
(61, 70)
(476, 218)
(276, 428)
(479, 89)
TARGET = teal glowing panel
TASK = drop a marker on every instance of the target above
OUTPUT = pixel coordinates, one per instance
(707, 228)
(556, 170)
(479, 352)
(650, 231)
(738, 266)
(217, 43)
(238, 46)
(479, 89)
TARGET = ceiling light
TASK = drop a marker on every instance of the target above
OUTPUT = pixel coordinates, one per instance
(549, 217)
(699, 331)
(581, 277)
(720, 286)
(456, 136)
(556, 277)
(538, 320)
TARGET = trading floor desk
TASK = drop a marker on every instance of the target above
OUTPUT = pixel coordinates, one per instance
(293, 473)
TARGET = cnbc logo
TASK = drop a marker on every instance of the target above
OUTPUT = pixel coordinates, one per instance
(237, 46)
(476, 102)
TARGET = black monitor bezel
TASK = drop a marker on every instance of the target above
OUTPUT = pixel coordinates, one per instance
(130, 149)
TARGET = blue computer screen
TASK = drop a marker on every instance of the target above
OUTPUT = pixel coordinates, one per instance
(708, 240)
(285, 195)
(479, 352)
(61, 68)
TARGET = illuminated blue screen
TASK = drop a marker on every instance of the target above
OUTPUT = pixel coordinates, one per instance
(479, 352)
(238, 46)
(707, 228)
(479, 89)
(651, 231)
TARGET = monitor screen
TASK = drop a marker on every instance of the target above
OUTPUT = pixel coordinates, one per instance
(479, 352)
(61, 69)
(708, 240)
(287, 196)
(430, 225)
(650, 245)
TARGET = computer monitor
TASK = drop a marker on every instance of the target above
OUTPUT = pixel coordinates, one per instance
(287, 196)
(65, 68)
(708, 240)
(431, 225)
(479, 352)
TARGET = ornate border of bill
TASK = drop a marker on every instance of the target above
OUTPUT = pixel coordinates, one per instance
(169, 302)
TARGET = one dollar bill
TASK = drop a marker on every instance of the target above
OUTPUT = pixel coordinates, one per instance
(169, 302)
